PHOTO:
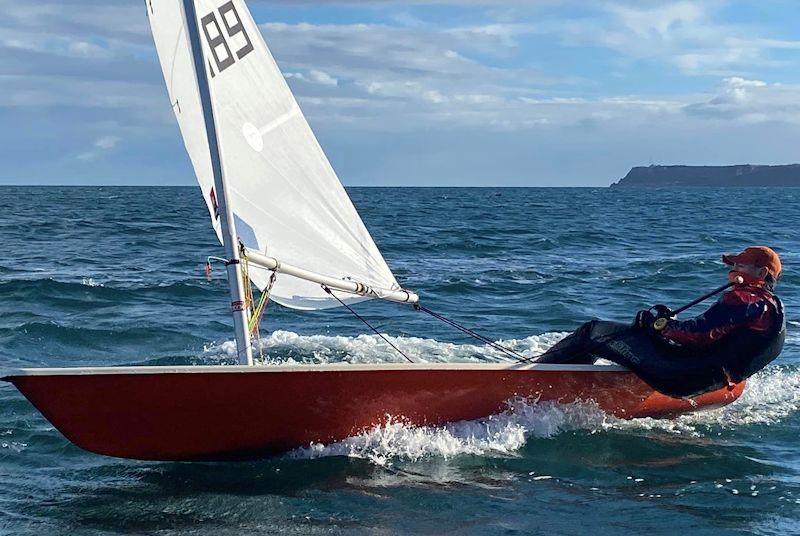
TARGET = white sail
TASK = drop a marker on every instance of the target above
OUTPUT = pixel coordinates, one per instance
(177, 63)
(287, 200)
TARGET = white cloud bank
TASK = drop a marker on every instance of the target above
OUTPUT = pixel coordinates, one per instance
(479, 83)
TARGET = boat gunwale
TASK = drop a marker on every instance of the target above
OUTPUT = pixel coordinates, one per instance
(327, 367)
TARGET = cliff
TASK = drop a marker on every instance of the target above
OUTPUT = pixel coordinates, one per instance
(686, 176)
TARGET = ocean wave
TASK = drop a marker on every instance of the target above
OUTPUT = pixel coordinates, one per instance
(54, 335)
(78, 291)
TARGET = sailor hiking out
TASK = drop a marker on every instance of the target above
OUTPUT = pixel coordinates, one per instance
(735, 338)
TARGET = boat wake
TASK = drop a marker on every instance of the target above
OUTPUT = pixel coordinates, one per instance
(496, 435)
(771, 396)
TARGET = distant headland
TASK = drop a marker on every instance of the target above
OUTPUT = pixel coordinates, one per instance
(688, 176)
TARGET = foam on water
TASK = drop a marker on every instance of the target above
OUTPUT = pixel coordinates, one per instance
(502, 434)
(770, 396)
(286, 347)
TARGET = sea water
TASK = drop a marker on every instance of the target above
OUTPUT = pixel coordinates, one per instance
(114, 276)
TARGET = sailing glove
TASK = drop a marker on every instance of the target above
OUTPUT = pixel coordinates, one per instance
(662, 311)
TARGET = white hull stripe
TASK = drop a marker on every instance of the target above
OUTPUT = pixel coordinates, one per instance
(344, 367)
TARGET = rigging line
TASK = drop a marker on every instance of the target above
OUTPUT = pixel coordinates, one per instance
(258, 313)
(497, 346)
(387, 341)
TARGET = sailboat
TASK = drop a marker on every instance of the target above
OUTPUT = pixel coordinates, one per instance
(284, 218)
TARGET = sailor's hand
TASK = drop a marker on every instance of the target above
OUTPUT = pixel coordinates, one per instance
(644, 319)
(663, 315)
(662, 311)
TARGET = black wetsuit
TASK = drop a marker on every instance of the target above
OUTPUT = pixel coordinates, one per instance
(583, 346)
(737, 340)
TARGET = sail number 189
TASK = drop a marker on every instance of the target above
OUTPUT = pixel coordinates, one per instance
(220, 48)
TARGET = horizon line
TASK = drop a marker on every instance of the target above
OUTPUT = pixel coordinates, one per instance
(13, 185)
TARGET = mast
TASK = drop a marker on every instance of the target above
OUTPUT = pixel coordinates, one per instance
(227, 224)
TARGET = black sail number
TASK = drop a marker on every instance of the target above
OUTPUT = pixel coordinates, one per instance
(216, 41)
(236, 28)
(220, 49)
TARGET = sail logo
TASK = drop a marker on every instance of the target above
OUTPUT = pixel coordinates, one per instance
(219, 45)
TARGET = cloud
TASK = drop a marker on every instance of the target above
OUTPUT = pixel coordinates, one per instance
(430, 80)
(416, 70)
(403, 77)
(750, 101)
(477, 74)
(106, 142)
(101, 145)
(87, 50)
(660, 22)
(86, 64)
(689, 36)
(314, 77)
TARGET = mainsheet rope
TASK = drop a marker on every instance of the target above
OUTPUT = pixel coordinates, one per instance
(472, 333)
(364, 320)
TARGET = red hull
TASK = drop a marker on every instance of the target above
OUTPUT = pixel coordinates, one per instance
(201, 413)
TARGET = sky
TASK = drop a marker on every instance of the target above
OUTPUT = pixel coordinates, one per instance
(440, 93)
